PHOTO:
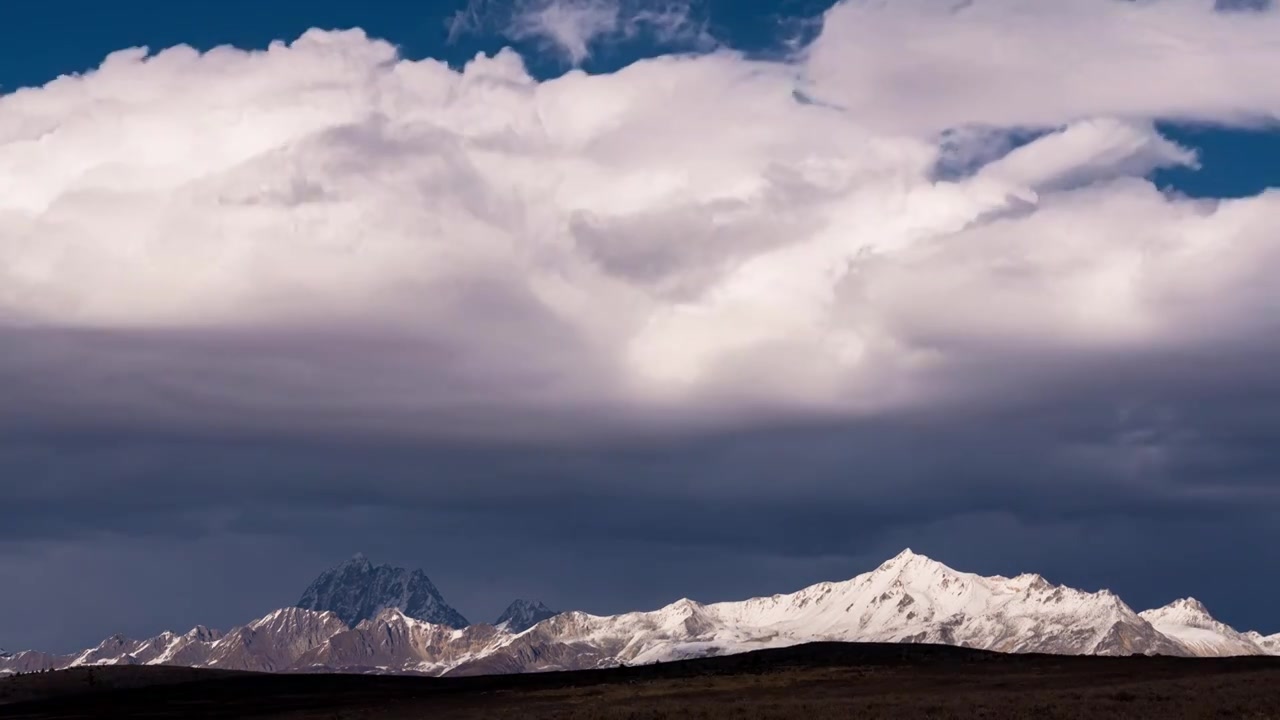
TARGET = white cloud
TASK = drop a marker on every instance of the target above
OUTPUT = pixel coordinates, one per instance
(1087, 152)
(682, 234)
(935, 64)
(570, 26)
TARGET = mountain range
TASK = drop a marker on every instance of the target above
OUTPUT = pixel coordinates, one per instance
(363, 618)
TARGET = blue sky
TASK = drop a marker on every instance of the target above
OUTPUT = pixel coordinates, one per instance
(599, 341)
(46, 39)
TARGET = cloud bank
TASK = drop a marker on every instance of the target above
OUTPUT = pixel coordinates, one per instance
(910, 283)
(685, 234)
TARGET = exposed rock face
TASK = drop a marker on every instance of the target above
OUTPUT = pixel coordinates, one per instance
(1270, 644)
(193, 648)
(274, 642)
(358, 590)
(394, 642)
(522, 615)
(115, 650)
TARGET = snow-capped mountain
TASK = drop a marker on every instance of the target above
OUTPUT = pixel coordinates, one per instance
(522, 615)
(1189, 623)
(271, 643)
(33, 661)
(358, 590)
(274, 642)
(908, 599)
(394, 642)
(1269, 643)
(115, 650)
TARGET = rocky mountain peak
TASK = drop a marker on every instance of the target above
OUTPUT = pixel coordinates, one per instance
(387, 617)
(1268, 643)
(523, 614)
(200, 633)
(1030, 583)
(1188, 622)
(909, 562)
(910, 569)
(289, 617)
(1190, 604)
(1187, 611)
(358, 590)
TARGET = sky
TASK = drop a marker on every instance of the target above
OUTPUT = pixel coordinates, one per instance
(612, 302)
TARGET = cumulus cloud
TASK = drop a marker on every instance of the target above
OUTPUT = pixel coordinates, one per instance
(935, 64)
(686, 237)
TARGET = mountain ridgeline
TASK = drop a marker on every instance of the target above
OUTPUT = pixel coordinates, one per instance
(358, 590)
(359, 617)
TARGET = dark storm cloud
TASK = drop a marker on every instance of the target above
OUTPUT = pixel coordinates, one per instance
(1166, 461)
(1238, 5)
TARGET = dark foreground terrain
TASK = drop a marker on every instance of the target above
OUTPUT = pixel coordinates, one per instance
(810, 682)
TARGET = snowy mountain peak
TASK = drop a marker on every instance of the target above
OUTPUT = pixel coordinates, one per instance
(913, 564)
(1186, 611)
(358, 590)
(290, 618)
(1030, 583)
(1270, 644)
(1189, 623)
(521, 615)
(201, 633)
(908, 569)
(681, 611)
(902, 559)
(1191, 605)
(395, 617)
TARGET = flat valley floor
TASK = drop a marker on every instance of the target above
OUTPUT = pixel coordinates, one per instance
(824, 680)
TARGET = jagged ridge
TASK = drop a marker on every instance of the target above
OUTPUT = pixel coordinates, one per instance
(521, 615)
(358, 590)
(909, 598)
